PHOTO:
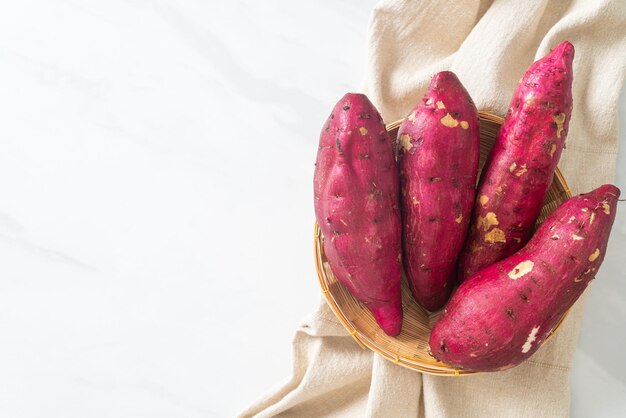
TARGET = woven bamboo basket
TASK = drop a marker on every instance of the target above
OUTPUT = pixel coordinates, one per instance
(410, 347)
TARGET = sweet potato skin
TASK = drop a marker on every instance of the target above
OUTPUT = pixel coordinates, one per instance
(439, 151)
(500, 316)
(521, 165)
(356, 192)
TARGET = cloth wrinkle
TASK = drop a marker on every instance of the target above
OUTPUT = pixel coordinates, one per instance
(488, 44)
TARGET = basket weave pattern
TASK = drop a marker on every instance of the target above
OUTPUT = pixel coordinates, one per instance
(410, 348)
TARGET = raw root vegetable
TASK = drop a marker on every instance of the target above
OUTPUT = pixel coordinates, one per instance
(500, 316)
(520, 167)
(357, 207)
(439, 150)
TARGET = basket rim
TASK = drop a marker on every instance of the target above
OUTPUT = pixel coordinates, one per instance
(435, 367)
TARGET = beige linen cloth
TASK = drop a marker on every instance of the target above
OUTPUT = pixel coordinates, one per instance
(488, 44)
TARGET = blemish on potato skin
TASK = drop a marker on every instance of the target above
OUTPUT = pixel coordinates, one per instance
(339, 146)
(495, 235)
(483, 200)
(449, 121)
(521, 269)
(429, 101)
(522, 169)
(594, 255)
(363, 130)
(576, 237)
(581, 277)
(489, 220)
(440, 105)
(464, 124)
(552, 150)
(606, 207)
(531, 338)
(405, 142)
(459, 218)
(510, 313)
(411, 117)
(560, 121)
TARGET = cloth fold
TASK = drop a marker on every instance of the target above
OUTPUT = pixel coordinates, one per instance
(333, 377)
(488, 44)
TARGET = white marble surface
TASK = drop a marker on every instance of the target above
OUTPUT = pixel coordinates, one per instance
(156, 161)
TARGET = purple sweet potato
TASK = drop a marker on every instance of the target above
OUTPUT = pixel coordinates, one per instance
(521, 164)
(357, 207)
(439, 150)
(500, 316)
